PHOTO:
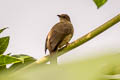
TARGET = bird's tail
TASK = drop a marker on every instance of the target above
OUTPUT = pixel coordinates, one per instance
(53, 58)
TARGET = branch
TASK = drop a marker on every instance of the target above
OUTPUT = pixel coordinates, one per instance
(79, 41)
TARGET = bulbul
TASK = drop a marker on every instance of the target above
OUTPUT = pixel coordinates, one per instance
(59, 36)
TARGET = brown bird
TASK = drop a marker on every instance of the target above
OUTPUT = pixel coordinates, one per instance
(60, 34)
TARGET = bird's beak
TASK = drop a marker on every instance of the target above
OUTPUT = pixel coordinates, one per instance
(59, 15)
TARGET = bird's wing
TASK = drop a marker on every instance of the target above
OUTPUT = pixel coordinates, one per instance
(57, 34)
(55, 40)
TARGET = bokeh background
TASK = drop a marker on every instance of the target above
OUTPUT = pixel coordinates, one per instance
(29, 22)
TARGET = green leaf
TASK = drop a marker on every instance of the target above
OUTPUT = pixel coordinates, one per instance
(4, 41)
(26, 60)
(1, 30)
(6, 59)
(24, 57)
(90, 69)
(3, 69)
(99, 3)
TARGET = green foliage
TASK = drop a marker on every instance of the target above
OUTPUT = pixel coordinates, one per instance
(3, 68)
(89, 69)
(26, 60)
(24, 57)
(99, 3)
(1, 30)
(18, 61)
(4, 44)
(5, 59)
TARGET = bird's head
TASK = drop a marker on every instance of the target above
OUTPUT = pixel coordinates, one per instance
(64, 17)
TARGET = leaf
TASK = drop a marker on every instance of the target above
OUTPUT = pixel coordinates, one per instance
(1, 30)
(99, 3)
(4, 41)
(24, 57)
(27, 60)
(6, 59)
(89, 69)
(3, 68)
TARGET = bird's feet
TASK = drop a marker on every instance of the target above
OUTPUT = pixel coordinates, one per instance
(67, 44)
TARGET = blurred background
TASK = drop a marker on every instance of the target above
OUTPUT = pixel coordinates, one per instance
(29, 22)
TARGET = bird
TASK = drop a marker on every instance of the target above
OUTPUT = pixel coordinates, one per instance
(59, 36)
